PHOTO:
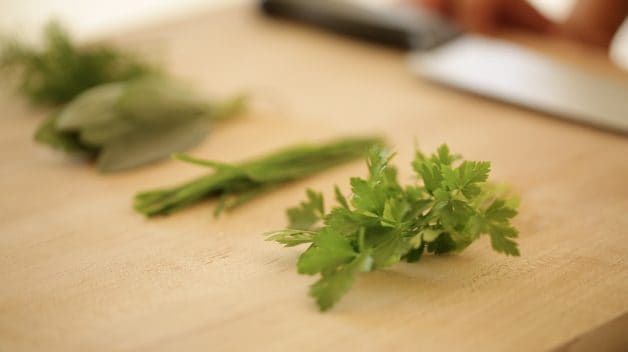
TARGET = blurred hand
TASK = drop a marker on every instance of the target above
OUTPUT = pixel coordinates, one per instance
(596, 21)
(487, 16)
(592, 21)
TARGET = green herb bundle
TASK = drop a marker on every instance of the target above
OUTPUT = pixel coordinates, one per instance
(116, 108)
(127, 124)
(383, 223)
(235, 184)
(61, 70)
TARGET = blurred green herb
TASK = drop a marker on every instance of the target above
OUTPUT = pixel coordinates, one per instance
(235, 184)
(127, 124)
(384, 223)
(61, 70)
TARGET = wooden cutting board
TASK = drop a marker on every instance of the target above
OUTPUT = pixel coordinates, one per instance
(79, 270)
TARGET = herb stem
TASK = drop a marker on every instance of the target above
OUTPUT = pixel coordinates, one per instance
(243, 182)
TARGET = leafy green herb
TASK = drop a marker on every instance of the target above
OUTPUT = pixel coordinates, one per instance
(127, 124)
(235, 184)
(61, 70)
(383, 223)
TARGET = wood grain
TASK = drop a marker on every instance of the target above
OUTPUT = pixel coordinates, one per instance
(81, 271)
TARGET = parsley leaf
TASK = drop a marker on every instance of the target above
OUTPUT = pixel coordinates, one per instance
(333, 284)
(497, 218)
(450, 206)
(307, 213)
(329, 250)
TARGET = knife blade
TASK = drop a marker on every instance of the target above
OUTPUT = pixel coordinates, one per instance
(512, 74)
(487, 67)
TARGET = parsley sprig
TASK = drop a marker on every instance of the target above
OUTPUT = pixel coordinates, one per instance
(450, 206)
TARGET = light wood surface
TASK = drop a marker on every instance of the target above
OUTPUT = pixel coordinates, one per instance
(79, 270)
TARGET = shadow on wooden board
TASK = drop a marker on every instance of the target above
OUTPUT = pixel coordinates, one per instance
(610, 337)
